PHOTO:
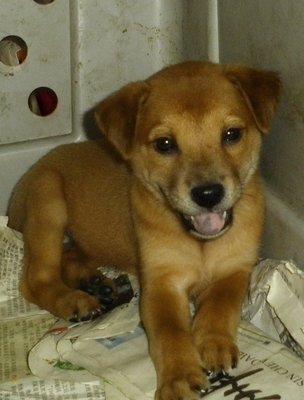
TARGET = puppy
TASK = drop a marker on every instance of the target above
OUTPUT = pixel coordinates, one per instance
(172, 194)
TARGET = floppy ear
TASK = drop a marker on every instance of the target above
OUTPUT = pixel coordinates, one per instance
(116, 116)
(261, 91)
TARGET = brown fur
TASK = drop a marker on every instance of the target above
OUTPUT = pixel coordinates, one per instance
(122, 207)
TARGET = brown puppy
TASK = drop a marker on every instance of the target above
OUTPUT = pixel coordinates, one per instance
(174, 195)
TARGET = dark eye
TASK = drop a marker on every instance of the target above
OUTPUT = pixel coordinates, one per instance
(165, 145)
(232, 135)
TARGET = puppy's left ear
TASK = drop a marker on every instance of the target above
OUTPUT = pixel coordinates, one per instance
(116, 116)
(261, 91)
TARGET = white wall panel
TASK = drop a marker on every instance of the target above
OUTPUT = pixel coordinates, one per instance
(88, 48)
(45, 29)
(269, 34)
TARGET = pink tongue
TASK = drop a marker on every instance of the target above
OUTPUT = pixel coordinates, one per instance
(209, 223)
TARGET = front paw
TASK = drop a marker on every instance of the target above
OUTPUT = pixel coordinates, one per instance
(109, 293)
(185, 382)
(218, 352)
(75, 306)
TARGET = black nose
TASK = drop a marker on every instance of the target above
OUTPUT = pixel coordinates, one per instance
(208, 195)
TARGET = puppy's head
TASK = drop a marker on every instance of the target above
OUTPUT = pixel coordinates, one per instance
(192, 133)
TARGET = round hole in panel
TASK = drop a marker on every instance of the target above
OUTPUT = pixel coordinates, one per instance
(43, 2)
(43, 101)
(13, 50)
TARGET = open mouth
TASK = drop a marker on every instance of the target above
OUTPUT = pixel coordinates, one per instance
(208, 224)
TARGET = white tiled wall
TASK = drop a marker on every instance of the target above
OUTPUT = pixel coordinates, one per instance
(46, 32)
(85, 49)
(270, 34)
(88, 48)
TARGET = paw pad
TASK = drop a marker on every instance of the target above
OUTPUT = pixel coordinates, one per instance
(110, 293)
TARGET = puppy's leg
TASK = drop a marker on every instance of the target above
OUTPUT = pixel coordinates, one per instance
(167, 320)
(80, 272)
(216, 321)
(77, 267)
(43, 229)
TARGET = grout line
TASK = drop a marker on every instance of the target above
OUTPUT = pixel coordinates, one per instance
(213, 33)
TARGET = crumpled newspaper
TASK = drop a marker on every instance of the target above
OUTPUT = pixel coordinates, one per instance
(275, 302)
(84, 360)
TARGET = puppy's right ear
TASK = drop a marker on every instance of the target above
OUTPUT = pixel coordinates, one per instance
(116, 116)
(260, 89)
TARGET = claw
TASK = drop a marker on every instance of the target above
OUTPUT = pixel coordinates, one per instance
(95, 280)
(105, 290)
(92, 315)
(210, 372)
(96, 313)
(105, 300)
(74, 318)
(197, 388)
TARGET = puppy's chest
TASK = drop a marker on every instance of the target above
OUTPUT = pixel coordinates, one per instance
(209, 263)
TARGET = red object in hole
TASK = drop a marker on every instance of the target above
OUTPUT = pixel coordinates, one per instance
(47, 101)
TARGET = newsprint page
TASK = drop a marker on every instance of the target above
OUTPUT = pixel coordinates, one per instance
(49, 359)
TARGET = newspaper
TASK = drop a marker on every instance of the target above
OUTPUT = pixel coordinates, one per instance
(21, 326)
(275, 303)
(267, 369)
(12, 305)
(108, 358)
